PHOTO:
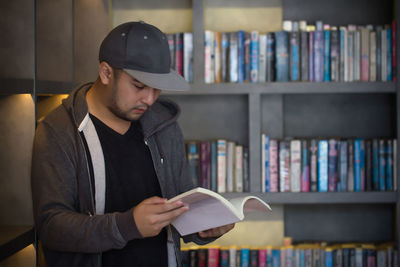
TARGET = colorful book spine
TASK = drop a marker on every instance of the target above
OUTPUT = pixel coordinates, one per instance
(217, 57)
(269, 256)
(389, 53)
(247, 56)
(221, 163)
(328, 257)
(394, 164)
(365, 60)
(201, 257)
(379, 53)
(193, 162)
(193, 257)
(357, 54)
(335, 55)
(238, 185)
(245, 257)
(282, 56)
(389, 165)
(225, 57)
(305, 167)
(253, 258)
(319, 52)
(375, 164)
(171, 45)
(394, 52)
(232, 256)
(382, 165)
(368, 165)
(384, 57)
(271, 51)
(230, 159)
(276, 259)
(358, 164)
(274, 165)
(284, 166)
(332, 165)
(322, 166)
(343, 54)
(327, 51)
(205, 164)
(262, 258)
(214, 166)
(213, 257)
(372, 56)
(343, 166)
(350, 53)
(311, 37)
(295, 165)
(350, 177)
(233, 57)
(241, 56)
(266, 179)
(294, 55)
(313, 165)
(224, 257)
(254, 55)
(262, 59)
(304, 41)
(208, 53)
(188, 56)
(246, 178)
(179, 53)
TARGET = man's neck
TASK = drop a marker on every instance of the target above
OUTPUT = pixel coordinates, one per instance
(98, 108)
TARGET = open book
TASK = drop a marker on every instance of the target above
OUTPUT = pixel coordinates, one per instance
(208, 209)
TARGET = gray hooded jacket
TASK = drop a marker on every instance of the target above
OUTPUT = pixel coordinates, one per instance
(70, 220)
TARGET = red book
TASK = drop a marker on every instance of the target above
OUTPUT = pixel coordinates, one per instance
(262, 258)
(179, 53)
(213, 257)
(205, 164)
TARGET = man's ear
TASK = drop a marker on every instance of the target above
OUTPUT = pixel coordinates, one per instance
(105, 73)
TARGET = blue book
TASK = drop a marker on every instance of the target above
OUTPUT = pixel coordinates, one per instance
(319, 53)
(382, 165)
(241, 56)
(224, 258)
(193, 161)
(332, 165)
(245, 257)
(389, 54)
(282, 56)
(323, 166)
(375, 164)
(311, 38)
(266, 162)
(389, 165)
(276, 258)
(294, 56)
(343, 161)
(247, 41)
(254, 47)
(328, 258)
(359, 163)
(327, 55)
(305, 167)
(302, 262)
(214, 171)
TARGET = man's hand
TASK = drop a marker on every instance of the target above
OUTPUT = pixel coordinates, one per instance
(153, 214)
(217, 232)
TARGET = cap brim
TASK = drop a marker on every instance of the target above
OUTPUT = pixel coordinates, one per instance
(165, 81)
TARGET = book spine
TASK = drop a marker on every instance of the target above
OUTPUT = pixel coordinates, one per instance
(389, 53)
(294, 60)
(253, 258)
(389, 165)
(282, 56)
(193, 162)
(358, 257)
(304, 41)
(357, 55)
(217, 57)
(262, 258)
(343, 54)
(224, 258)
(225, 57)
(327, 51)
(247, 56)
(232, 257)
(245, 257)
(276, 259)
(185, 257)
(221, 163)
(394, 164)
(188, 56)
(311, 75)
(394, 52)
(193, 257)
(208, 47)
(239, 169)
(319, 55)
(379, 54)
(322, 166)
(271, 51)
(357, 165)
(233, 57)
(213, 257)
(262, 58)
(201, 257)
(332, 165)
(205, 165)
(335, 55)
(343, 166)
(284, 166)
(375, 164)
(273, 165)
(368, 165)
(295, 165)
(350, 173)
(365, 61)
(350, 56)
(289, 257)
(241, 55)
(328, 258)
(313, 165)
(254, 55)
(384, 55)
(214, 166)
(179, 53)
(246, 178)
(230, 159)
(171, 45)
(266, 165)
(268, 257)
(382, 165)
(305, 166)
(372, 56)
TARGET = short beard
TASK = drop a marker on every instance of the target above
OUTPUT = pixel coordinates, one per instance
(113, 107)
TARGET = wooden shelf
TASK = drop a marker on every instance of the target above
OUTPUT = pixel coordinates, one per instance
(14, 239)
(16, 86)
(323, 198)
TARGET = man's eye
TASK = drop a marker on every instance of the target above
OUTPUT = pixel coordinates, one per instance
(140, 86)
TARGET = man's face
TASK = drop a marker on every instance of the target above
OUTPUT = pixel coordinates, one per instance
(130, 98)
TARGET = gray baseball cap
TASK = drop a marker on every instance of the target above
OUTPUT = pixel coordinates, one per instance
(142, 50)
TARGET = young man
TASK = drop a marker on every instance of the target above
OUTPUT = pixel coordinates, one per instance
(106, 161)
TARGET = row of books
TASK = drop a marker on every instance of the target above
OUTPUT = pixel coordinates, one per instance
(302, 52)
(335, 165)
(306, 255)
(219, 165)
(181, 50)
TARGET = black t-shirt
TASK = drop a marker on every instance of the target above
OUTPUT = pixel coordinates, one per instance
(130, 178)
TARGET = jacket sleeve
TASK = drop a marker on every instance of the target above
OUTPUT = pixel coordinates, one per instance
(187, 184)
(62, 222)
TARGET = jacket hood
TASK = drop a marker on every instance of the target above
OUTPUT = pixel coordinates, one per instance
(161, 114)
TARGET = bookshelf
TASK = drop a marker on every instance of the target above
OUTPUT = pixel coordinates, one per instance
(257, 107)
